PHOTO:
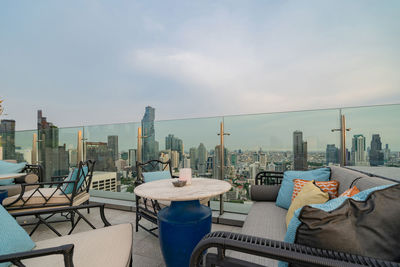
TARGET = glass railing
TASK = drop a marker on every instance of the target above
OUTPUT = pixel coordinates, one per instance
(253, 143)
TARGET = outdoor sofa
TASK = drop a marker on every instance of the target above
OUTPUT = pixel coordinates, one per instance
(261, 240)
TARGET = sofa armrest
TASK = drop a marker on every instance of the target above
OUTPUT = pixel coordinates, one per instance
(66, 250)
(278, 250)
(264, 192)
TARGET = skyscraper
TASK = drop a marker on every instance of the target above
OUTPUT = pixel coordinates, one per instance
(299, 151)
(174, 143)
(103, 156)
(112, 145)
(358, 155)
(54, 158)
(193, 158)
(132, 158)
(386, 153)
(376, 156)
(7, 133)
(202, 159)
(150, 146)
(332, 154)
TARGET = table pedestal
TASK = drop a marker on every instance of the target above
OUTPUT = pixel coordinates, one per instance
(181, 226)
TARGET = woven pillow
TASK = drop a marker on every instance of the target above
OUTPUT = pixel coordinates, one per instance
(350, 192)
(331, 187)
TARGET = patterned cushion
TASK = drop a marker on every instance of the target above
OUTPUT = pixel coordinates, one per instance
(331, 187)
(350, 192)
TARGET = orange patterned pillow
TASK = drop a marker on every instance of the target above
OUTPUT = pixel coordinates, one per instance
(330, 187)
(350, 192)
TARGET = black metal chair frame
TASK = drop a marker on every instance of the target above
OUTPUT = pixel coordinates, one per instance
(45, 207)
(151, 165)
(269, 178)
(278, 250)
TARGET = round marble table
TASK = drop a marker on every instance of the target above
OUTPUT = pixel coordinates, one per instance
(185, 222)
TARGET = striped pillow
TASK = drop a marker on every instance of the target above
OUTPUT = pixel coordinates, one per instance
(331, 187)
(350, 192)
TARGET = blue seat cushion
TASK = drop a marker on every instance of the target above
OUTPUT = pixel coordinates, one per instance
(155, 176)
(9, 167)
(73, 176)
(284, 198)
(13, 237)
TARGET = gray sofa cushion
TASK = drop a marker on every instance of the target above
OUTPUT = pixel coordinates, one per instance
(345, 177)
(267, 220)
(264, 192)
(369, 182)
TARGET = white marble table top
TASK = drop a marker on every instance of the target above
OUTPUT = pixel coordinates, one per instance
(199, 189)
(11, 175)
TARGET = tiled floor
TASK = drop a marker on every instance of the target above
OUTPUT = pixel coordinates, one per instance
(146, 249)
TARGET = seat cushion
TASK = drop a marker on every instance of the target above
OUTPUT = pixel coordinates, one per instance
(9, 167)
(13, 237)
(44, 196)
(285, 192)
(266, 220)
(15, 189)
(109, 246)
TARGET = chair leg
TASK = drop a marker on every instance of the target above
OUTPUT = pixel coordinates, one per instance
(137, 221)
(72, 218)
(88, 210)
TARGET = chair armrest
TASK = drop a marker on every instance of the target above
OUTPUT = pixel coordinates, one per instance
(264, 192)
(278, 250)
(58, 178)
(66, 250)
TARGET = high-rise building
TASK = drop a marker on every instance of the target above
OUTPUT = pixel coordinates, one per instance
(174, 159)
(217, 162)
(174, 143)
(358, 154)
(202, 159)
(150, 146)
(54, 158)
(193, 158)
(132, 157)
(386, 153)
(376, 156)
(99, 152)
(7, 133)
(112, 145)
(332, 154)
(299, 151)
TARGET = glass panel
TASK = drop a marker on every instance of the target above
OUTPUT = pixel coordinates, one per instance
(277, 142)
(113, 147)
(23, 146)
(373, 143)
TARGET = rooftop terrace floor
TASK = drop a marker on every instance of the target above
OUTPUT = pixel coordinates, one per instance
(146, 249)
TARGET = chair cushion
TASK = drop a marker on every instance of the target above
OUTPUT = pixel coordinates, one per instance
(366, 224)
(9, 167)
(109, 246)
(73, 176)
(285, 192)
(155, 176)
(54, 196)
(309, 194)
(13, 237)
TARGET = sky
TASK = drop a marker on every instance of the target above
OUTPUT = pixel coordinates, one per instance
(100, 62)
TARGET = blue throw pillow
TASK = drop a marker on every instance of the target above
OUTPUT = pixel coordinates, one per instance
(329, 206)
(9, 167)
(285, 192)
(155, 176)
(73, 176)
(13, 237)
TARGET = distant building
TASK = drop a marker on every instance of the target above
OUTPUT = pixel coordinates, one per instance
(112, 144)
(202, 159)
(299, 151)
(193, 158)
(103, 156)
(104, 181)
(7, 134)
(217, 162)
(376, 155)
(132, 157)
(332, 154)
(174, 143)
(174, 159)
(386, 153)
(150, 146)
(358, 153)
(54, 158)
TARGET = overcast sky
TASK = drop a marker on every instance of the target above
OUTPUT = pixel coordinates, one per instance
(95, 62)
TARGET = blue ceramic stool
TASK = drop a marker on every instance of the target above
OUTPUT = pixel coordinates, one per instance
(181, 226)
(3, 195)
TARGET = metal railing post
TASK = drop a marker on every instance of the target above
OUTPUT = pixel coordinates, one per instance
(343, 131)
(221, 164)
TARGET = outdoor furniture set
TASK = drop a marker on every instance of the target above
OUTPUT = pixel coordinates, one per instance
(362, 230)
